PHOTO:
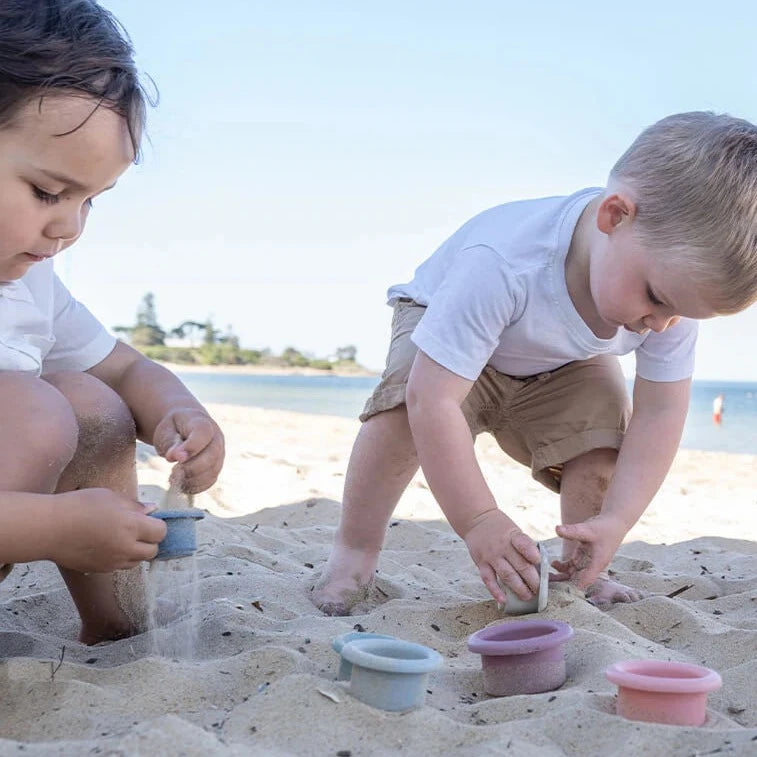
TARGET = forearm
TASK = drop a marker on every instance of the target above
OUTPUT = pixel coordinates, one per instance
(27, 526)
(647, 452)
(151, 392)
(445, 451)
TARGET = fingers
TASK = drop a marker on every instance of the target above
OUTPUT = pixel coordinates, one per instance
(201, 472)
(143, 508)
(526, 547)
(489, 577)
(578, 570)
(196, 444)
(196, 478)
(194, 433)
(576, 532)
(564, 571)
(146, 552)
(151, 531)
(523, 584)
(177, 452)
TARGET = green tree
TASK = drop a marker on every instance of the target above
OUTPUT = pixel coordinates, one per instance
(211, 333)
(187, 328)
(147, 332)
(293, 357)
(346, 354)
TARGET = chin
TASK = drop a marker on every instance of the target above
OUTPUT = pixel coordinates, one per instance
(14, 273)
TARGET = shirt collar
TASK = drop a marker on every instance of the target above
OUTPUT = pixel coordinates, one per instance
(15, 290)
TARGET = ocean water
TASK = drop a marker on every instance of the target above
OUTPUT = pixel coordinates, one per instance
(345, 395)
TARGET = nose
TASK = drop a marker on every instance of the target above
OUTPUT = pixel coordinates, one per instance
(67, 225)
(659, 323)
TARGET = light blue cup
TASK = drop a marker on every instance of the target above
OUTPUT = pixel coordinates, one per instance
(181, 537)
(345, 666)
(390, 674)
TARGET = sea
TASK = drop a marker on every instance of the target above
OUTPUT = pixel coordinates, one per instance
(345, 395)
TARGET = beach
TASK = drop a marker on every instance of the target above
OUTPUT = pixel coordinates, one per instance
(257, 676)
(267, 370)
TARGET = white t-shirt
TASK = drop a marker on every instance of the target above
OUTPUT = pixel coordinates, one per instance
(496, 295)
(43, 329)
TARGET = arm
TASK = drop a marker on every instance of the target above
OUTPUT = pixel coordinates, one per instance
(445, 450)
(86, 530)
(166, 413)
(647, 452)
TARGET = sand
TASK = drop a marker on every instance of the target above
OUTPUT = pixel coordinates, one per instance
(262, 679)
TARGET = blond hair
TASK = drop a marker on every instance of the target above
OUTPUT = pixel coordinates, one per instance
(693, 177)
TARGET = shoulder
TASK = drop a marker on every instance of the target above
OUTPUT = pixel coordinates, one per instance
(527, 232)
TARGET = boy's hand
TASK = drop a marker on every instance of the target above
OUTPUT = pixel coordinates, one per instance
(99, 531)
(189, 436)
(500, 548)
(598, 539)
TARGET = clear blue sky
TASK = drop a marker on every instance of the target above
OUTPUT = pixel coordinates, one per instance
(306, 155)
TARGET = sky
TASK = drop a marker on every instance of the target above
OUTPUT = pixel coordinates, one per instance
(304, 156)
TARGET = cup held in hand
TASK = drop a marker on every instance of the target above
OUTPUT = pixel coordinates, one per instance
(514, 605)
(181, 536)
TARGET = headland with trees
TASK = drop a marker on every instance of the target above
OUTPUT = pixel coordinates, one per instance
(200, 343)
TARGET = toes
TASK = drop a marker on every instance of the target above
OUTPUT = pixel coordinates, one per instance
(334, 608)
(601, 603)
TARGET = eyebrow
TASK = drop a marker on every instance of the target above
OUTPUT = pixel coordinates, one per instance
(63, 179)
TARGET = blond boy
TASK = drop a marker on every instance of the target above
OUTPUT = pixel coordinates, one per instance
(513, 326)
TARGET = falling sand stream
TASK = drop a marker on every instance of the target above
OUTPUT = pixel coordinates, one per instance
(172, 595)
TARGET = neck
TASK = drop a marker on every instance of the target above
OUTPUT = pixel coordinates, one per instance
(578, 269)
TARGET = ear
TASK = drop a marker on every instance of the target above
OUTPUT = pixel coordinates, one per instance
(614, 210)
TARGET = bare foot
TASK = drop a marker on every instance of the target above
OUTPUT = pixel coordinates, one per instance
(345, 581)
(106, 631)
(605, 592)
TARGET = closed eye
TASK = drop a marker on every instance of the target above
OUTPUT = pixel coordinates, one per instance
(652, 298)
(51, 199)
(46, 197)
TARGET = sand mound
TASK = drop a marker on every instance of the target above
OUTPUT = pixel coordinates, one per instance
(262, 678)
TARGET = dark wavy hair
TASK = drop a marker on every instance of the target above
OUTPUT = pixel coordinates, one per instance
(69, 46)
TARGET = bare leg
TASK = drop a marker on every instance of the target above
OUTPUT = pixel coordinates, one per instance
(582, 490)
(104, 457)
(382, 463)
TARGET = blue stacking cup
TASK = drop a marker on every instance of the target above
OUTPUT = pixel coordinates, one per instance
(181, 537)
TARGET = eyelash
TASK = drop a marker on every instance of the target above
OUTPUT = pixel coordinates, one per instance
(51, 199)
(652, 298)
(45, 197)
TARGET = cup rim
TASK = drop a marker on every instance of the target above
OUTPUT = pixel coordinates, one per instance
(338, 643)
(553, 633)
(649, 675)
(365, 653)
(178, 514)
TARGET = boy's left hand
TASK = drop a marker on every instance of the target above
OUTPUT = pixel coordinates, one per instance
(597, 541)
(189, 436)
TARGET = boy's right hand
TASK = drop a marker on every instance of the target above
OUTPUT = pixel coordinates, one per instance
(500, 548)
(99, 531)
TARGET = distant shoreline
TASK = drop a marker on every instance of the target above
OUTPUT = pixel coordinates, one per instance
(266, 370)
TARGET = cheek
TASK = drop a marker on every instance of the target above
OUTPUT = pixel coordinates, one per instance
(17, 221)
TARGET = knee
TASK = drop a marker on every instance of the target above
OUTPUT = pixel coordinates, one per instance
(106, 425)
(44, 423)
(594, 469)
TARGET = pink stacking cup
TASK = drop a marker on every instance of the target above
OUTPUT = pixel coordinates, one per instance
(656, 691)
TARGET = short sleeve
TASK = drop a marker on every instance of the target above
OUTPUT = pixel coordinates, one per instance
(478, 298)
(669, 355)
(81, 341)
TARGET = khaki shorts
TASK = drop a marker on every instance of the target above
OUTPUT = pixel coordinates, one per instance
(541, 421)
